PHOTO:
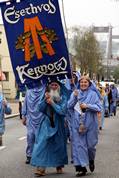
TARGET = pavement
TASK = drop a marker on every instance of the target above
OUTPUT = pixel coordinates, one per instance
(12, 154)
(15, 109)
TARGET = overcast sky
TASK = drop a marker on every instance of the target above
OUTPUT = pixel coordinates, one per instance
(91, 12)
(87, 12)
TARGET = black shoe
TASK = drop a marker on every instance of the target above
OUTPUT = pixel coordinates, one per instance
(82, 172)
(100, 128)
(28, 160)
(91, 165)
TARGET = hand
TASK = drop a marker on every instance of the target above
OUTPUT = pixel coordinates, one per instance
(82, 128)
(47, 95)
(49, 101)
(83, 106)
(4, 103)
(75, 92)
(24, 121)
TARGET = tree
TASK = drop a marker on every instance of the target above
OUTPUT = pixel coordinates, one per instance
(116, 73)
(88, 54)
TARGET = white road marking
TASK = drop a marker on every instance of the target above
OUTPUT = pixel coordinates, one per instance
(2, 147)
(22, 138)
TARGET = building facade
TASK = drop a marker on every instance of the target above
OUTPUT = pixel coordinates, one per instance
(9, 85)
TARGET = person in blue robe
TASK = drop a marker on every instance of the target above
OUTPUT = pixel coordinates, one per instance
(71, 85)
(113, 104)
(2, 122)
(109, 96)
(4, 109)
(31, 117)
(84, 104)
(50, 145)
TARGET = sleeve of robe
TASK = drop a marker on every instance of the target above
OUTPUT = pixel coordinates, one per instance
(96, 105)
(61, 107)
(42, 105)
(72, 101)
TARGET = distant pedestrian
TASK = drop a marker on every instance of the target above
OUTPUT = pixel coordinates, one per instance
(84, 104)
(109, 96)
(21, 101)
(2, 121)
(105, 105)
(113, 105)
(4, 108)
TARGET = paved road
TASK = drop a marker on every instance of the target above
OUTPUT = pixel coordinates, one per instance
(12, 155)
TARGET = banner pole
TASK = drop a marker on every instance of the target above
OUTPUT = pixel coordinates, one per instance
(67, 36)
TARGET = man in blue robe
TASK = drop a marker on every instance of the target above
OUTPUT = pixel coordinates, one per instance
(84, 105)
(50, 145)
(31, 117)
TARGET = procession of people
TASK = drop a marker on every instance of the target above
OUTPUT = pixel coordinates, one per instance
(60, 95)
(75, 106)
(50, 109)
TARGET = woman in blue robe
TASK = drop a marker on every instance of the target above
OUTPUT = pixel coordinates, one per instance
(50, 145)
(84, 105)
(31, 117)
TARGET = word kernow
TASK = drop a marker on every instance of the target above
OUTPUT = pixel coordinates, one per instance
(12, 15)
(51, 69)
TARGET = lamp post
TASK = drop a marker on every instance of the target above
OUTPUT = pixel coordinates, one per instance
(109, 50)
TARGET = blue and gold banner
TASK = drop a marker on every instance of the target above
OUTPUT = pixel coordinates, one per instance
(36, 41)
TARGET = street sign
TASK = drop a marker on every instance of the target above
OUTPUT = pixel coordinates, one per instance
(101, 29)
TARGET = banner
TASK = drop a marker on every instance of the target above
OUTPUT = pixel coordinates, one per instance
(36, 41)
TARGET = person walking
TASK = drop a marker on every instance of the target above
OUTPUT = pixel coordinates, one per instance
(2, 121)
(31, 117)
(84, 104)
(113, 105)
(4, 109)
(105, 105)
(50, 145)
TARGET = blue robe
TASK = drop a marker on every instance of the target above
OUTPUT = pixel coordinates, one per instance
(33, 116)
(83, 144)
(50, 145)
(2, 122)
